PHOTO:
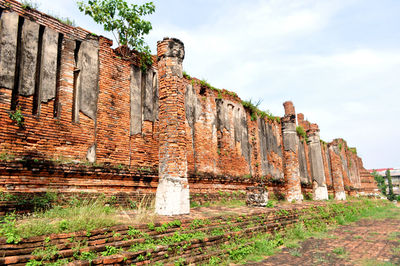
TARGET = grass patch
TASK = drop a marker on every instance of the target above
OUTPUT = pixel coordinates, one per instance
(395, 236)
(84, 216)
(340, 252)
(396, 251)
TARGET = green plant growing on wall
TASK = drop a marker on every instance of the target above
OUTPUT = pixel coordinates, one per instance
(67, 21)
(340, 146)
(353, 150)
(17, 117)
(252, 108)
(125, 22)
(256, 112)
(301, 132)
(186, 75)
(323, 143)
(5, 156)
(25, 4)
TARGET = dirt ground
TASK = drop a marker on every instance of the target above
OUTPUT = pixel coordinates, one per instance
(367, 242)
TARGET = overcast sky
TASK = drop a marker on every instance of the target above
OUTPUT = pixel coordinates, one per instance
(337, 60)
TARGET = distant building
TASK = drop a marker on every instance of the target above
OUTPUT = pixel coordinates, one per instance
(394, 173)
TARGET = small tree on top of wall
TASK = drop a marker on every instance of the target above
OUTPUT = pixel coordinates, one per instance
(390, 185)
(125, 22)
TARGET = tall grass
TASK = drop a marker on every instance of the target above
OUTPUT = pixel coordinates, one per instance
(84, 215)
(143, 213)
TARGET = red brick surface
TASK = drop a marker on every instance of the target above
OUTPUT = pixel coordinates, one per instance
(204, 152)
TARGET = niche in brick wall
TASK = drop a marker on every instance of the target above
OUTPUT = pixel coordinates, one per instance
(86, 78)
(29, 59)
(144, 104)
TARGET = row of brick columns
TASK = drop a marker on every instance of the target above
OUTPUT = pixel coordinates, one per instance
(291, 160)
(172, 197)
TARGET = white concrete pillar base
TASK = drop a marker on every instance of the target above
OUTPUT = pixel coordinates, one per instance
(297, 197)
(172, 197)
(320, 193)
(340, 195)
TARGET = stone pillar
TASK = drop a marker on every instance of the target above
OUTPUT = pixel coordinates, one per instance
(172, 197)
(320, 190)
(336, 166)
(290, 156)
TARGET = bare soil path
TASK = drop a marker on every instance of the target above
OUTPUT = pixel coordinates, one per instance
(367, 242)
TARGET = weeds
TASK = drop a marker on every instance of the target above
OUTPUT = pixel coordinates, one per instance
(301, 132)
(353, 150)
(339, 251)
(9, 230)
(111, 250)
(87, 255)
(26, 4)
(85, 216)
(239, 248)
(5, 156)
(256, 112)
(144, 211)
(46, 253)
(186, 75)
(17, 117)
(66, 20)
(396, 251)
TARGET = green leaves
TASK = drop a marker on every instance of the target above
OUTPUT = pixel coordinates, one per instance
(9, 230)
(17, 117)
(124, 21)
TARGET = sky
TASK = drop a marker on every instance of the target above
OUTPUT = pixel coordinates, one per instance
(337, 60)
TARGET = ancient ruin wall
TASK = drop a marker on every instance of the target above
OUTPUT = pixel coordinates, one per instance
(82, 103)
(79, 107)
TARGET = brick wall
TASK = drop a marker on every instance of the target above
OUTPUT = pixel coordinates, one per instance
(116, 122)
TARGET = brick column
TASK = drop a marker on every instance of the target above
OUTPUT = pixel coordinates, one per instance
(290, 156)
(336, 166)
(172, 197)
(320, 191)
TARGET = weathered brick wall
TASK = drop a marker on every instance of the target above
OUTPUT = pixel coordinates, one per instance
(59, 131)
(107, 111)
(50, 133)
